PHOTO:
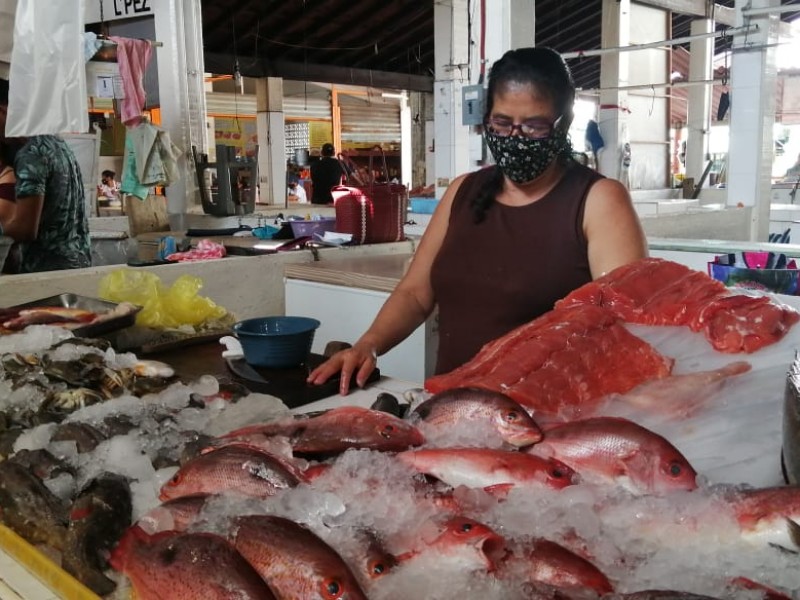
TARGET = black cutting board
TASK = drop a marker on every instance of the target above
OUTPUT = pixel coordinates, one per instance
(289, 384)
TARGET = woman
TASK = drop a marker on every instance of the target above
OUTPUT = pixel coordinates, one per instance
(506, 242)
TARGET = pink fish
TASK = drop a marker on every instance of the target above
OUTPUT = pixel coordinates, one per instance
(618, 451)
(295, 562)
(459, 538)
(681, 396)
(546, 562)
(769, 515)
(335, 431)
(484, 467)
(499, 412)
(173, 515)
(236, 468)
(186, 566)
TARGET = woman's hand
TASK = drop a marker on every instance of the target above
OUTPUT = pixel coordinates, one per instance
(359, 360)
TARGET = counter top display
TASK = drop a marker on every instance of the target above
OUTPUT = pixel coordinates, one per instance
(500, 506)
(380, 273)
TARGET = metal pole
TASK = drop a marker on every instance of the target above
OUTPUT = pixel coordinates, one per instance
(747, 29)
(770, 10)
(647, 86)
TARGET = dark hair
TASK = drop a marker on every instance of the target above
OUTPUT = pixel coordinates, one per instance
(108, 173)
(328, 150)
(544, 70)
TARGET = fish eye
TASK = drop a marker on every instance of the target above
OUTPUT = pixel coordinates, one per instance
(466, 527)
(176, 479)
(378, 568)
(332, 588)
(512, 416)
(557, 473)
(169, 554)
(387, 431)
(675, 469)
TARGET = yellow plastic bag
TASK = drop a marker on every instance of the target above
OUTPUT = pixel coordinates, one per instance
(162, 307)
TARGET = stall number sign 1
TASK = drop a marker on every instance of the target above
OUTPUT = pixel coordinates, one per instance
(131, 7)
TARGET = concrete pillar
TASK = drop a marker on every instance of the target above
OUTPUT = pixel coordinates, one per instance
(271, 141)
(699, 104)
(451, 55)
(612, 117)
(753, 87)
(406, 150)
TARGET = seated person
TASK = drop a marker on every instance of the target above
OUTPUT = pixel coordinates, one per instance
(109, 187)
(297, 193)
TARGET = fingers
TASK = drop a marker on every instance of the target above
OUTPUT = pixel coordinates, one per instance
(347, 363)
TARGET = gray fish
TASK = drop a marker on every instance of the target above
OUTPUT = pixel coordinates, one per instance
(29, 508)
(42, 463)
(86, 437)
(98, 517)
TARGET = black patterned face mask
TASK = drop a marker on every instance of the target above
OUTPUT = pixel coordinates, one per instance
(524, 159)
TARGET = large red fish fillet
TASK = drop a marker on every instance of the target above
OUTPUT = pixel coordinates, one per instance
(654, 291)
(561, 363)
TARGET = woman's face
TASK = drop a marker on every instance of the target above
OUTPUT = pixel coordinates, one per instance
(520, 103)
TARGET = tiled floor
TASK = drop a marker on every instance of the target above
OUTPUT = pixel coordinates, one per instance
(17, 583)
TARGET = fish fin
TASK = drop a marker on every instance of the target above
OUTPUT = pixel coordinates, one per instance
(794, 534)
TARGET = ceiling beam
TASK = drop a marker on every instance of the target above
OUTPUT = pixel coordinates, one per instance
(697, 8)
(253, 67)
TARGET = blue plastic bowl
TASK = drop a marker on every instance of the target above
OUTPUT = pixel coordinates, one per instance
(276, 342)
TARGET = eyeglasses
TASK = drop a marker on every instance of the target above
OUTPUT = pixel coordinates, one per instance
(536, 130)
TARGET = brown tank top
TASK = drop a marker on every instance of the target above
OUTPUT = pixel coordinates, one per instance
(493, 276)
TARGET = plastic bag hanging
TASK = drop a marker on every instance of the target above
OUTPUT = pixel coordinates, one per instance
(48, 79)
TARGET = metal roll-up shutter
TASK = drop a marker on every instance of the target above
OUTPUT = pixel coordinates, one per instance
(368, 122)
(227, 104)
(310, 107)
(244, 105)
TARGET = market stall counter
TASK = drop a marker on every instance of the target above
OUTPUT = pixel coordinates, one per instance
(461, 503)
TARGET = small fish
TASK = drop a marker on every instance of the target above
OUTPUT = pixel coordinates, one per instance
(497, 410)
(472, 544)
(620, 452)
(49, 314)
(546, 562)
(485, 467)
(237, 469)
(369, 560)
(29, 508)
(186, 566)
(173, 515)
(295, 562)
(97, 519)
(769, 515)
(335, 431)
(86, 437)
(41, 463)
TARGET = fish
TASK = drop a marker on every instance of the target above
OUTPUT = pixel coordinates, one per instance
(29, 508)
(547, 562)
(294, 561)
(617, 451)
(86, 437)
(186, 566)
(43, 315)
(98, 517)
(237, 469)
(42, 463)
(451, 407)
(386, 402)
(173, 515)
(485, 467)
(680, 396)
(664, 595)
(472, 544)
(367, 557)
(335, 431)
(768, 515)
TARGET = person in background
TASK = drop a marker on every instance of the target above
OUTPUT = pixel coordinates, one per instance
(297, 193)
(48, 220)
(325, 173)
(109, 187)
(509, 240)
(793, 172)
